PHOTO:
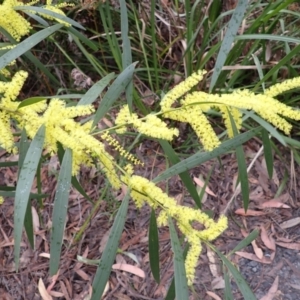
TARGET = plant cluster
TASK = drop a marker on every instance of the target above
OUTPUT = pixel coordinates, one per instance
(61, 128)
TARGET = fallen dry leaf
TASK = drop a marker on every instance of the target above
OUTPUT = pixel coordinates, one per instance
(201, 184)
(213, 295)
(213, 266)
(42, 290)
(294, 246)
(272, 291)
(267, 240)
(251, 256)
(218, 283)
(290, 223)
(274, 204)
(258, 251)
(130, 269)
(249, 213)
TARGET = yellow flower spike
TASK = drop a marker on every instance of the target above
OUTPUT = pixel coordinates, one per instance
(282, 87)
(115, 144)
(180, 89)
(192, 257)
(143, 190)
(236, 116)
(151, 125)
(19, 26)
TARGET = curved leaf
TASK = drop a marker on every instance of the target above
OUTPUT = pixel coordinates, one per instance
(23, 188)
(154, 247)
(60, 210)
(27, 44)
(202, 157)
(181, 288)
(109, 253)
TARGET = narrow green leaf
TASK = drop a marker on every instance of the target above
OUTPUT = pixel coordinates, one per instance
(28, 224)
(231, 32)
(171, 292)
(8, 164)
(75, 183)
(23, 188)
(228, 292)
(83, 38)
(37, 18)
(79, 188)
(126, 54)
(242, 166)
(93, 93)
(109, 253)
(181, 287)
(114, 92)
(30, 101)
(51, 13)
(245, 242)
(185, 176)
(60, 210)
(154, 247)
(201, 157)
(240, 281)
(27, 44)
(268, 152)
(215, 10)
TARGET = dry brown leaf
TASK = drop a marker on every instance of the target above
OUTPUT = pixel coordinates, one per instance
(83, 275)
(218, 283)
(290, 223)
(130, 269)
(258, 251)
(249, 213)
(267, 240)
(272, 291)
(35, 220)
(56, 294)
(42, 290)
(53, 281)
(212, 263)
(274, 203)
(294, 246)
(294, 286)
(201, 184)
(120, 296)
(213, 295)
(251, 256)
(64, 290)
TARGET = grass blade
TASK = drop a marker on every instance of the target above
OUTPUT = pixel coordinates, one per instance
(154, 247)
(240, 281)
(242, 166)
(55, 15)
(185, 176)
(28, 224)
(93, 93)
(268, 152)
(23, 188)
(27, 44)
(202, 157)
(181, 288)
(245, 242)
(114, 92)
(227, 293)
(60, 210)
(231, 32)
(109, 253)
